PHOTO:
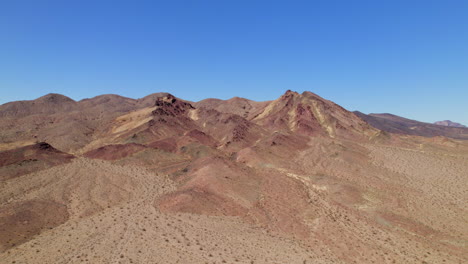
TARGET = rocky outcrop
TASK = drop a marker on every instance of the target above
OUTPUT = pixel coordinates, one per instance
(171, 106)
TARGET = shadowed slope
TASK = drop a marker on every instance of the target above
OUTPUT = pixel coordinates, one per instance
(24, 160)
(114, 152)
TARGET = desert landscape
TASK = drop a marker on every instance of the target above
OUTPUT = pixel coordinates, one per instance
(160, 179)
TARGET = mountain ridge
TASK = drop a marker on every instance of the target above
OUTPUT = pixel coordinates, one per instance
(400, 125)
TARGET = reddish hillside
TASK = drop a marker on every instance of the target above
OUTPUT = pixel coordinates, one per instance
(114, 152)
(239, 106)
(312, 115)
(24, 160)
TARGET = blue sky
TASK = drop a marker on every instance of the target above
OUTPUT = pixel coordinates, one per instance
(407, 57)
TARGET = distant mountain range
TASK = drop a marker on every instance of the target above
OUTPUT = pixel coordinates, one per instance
(400, 125)
(448, 123)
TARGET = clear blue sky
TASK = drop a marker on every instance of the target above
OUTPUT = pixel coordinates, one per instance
(405, 57)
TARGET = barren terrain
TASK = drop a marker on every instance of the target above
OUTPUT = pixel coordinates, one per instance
(163, 180)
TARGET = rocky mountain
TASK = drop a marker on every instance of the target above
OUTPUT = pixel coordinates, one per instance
(163, 180)
(448, 123)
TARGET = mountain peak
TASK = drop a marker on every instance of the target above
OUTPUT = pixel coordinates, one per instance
(55, 98)
(289, 94)
(310, 114)
(170, 105)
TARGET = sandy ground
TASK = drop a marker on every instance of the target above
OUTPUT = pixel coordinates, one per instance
(121, 225)
(413, 210)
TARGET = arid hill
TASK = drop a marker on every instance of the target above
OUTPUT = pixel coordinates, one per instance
(163, 180)
(32, 158)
